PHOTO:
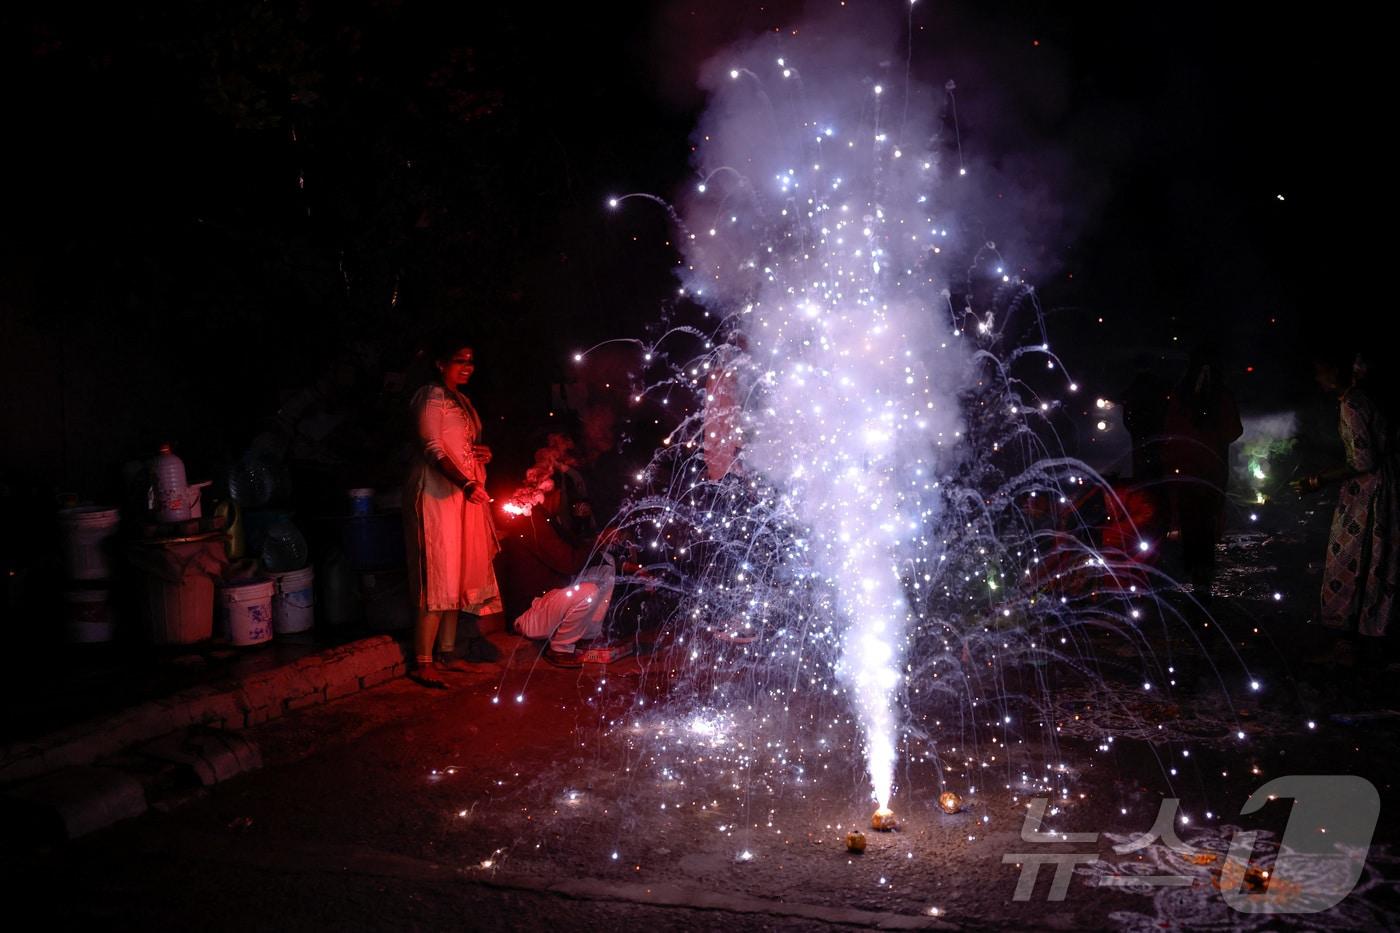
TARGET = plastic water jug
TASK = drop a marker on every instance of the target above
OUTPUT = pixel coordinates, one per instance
(174, 497)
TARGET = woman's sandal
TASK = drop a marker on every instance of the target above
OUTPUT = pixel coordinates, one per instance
(424, 679)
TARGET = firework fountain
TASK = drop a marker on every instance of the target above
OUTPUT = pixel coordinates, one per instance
(814, 231)
(862, 511)
(851, 415)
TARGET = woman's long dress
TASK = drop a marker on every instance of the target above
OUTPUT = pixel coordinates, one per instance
(451, 541)
(1363, 550)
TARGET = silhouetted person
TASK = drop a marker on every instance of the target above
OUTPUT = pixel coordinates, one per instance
(1145, 402)
(1202, 421)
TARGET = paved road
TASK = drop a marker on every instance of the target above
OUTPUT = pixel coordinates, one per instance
(406, 809)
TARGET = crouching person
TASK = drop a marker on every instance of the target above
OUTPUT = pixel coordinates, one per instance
(570, 614)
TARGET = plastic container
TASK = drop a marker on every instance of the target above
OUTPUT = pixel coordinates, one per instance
(256, 523)
(374, 542)
(174, 496)
(283, 548)
(197, 498)
(180, 587)
(293, 601)
(86, 532)
(232, 514)
(245, 611)
(87, 617)
(361, 501)
(251, 483)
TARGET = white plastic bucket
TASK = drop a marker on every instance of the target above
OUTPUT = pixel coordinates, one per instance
(85, 532)
(293, 601)
(246, 611)
(88, 619)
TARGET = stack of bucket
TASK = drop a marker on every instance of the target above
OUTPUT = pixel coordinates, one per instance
(279, 601)
(249, 610)
(254, 609)
(87, 533)
(180, 569)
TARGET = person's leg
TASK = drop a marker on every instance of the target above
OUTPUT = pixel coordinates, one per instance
(479, 647)
(447, 659)
(593, 624)
(577, 619)
(568, 611)
(1197, 541)
(604, 580)
(425, 630)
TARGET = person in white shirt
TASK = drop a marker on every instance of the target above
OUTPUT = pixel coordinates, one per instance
(569, 614)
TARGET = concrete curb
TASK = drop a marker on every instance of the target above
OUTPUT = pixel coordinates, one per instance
(71, 803)
(309, 681)
(210, 756)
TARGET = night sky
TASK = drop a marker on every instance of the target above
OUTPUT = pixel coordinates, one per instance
(210, 201)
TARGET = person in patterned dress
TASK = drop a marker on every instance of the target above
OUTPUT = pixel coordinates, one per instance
(1362, 568)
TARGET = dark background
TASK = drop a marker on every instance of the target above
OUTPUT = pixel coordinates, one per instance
(212, 205)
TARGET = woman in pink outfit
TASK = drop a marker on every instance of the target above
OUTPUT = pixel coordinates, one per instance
(450, 537)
